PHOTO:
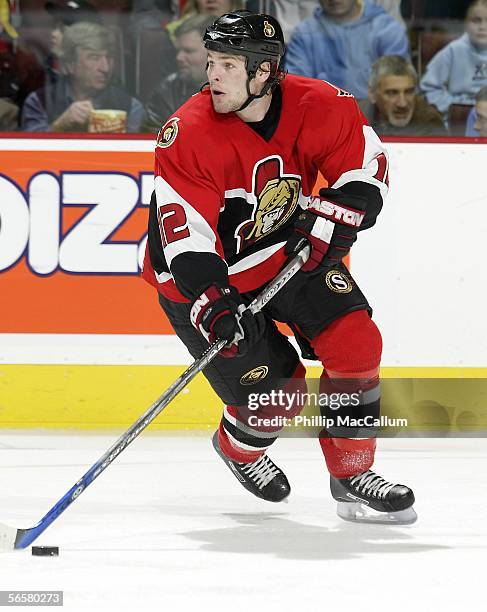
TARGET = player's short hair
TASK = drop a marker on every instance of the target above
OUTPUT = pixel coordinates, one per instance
(195, 23)
(85, 35)
(391, 65)
(481, 95)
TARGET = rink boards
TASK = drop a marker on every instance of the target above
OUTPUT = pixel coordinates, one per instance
(83, 341)
(112, 397)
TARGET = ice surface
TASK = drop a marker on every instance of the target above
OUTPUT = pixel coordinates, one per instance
(167, 527)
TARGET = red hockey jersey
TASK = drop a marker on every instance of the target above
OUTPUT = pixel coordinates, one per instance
(220, 188)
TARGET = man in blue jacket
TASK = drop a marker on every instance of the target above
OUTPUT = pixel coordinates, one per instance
(342, 40)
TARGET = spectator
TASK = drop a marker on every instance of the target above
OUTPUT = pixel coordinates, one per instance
(176, 88)
(393, 7)
(341, 41)
(477, 119)
(68, 104)
(289, 13)
(9, 113)
(151, 14)
(433, 9)
(205, 7)
(20, 71)
(65, 13)
(9, 83)
(459, 70)
(394, 107)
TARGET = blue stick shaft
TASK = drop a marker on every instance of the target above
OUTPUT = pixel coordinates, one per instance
(24, 537)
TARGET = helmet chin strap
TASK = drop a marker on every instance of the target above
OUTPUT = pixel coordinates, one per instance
(250, 96)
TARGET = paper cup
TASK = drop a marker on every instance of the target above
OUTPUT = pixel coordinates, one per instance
(103, 120)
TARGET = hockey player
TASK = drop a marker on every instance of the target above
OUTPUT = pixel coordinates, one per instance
(234, 171)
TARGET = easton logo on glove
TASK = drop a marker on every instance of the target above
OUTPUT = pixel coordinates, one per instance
(335, 212)
(329, 226)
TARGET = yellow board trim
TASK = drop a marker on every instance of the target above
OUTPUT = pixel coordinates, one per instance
(100, 397)
(108, 397)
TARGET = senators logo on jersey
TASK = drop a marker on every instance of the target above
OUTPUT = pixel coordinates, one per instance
(167, 134)
(277, 197)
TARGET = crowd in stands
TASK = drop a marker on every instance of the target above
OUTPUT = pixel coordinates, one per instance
(417, 68)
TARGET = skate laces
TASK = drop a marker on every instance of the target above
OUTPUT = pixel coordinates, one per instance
(262, 471)
(372, 484)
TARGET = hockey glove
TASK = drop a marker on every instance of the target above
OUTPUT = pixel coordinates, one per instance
(219, 312)
(330, 225)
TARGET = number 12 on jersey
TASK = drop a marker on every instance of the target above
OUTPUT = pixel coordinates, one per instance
(173, 224)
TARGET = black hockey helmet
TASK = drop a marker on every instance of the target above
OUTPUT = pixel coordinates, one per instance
(256, 36)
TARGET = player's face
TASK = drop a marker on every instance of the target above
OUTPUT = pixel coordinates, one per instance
(395, 99)
(191, 57)
(227, 77)
(476, 25)
(481, 123)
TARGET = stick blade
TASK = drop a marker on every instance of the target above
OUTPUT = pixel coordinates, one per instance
(8, 535)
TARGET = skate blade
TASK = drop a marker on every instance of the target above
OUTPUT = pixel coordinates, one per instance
(359, 513)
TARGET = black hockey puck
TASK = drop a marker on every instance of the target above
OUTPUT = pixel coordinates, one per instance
(45, 551)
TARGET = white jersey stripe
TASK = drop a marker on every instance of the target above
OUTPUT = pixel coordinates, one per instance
(163, 277)
(240, 193)
(255, 259)
(252, 261)
(246, 447)
(201, 238)
(366, 174)
(250, 430)
(303, 200)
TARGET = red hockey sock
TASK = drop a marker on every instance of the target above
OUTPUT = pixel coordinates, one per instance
(346, 457)
(233, 452)
(349, 348)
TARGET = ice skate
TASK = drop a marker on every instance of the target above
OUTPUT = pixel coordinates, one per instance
(261, 477)
(368, 498)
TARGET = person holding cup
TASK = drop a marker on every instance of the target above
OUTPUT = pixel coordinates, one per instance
(84, 98)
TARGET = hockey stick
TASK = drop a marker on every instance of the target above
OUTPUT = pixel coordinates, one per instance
(12, 538)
